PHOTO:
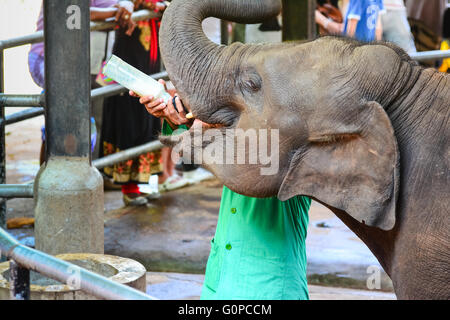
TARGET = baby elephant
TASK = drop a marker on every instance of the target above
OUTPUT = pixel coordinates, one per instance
(361, 129)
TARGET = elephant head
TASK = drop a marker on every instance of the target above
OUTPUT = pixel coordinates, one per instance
(335, 141)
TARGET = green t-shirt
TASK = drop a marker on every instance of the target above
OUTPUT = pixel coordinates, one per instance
(258, 251)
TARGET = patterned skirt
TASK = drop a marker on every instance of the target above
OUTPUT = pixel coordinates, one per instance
(136, 170)
(126, 123)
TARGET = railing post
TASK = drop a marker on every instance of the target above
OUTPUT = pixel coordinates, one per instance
(2, 148)
(224, 36)
(2, 145)
(69, 191)
(19, 281)
(298, 20)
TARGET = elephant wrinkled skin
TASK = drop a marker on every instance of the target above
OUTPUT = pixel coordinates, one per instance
(362, 129)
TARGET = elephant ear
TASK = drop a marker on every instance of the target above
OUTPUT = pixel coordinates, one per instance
(351, 163)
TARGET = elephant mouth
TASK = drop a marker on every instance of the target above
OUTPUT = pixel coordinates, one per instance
(221, 117)
(219, 122)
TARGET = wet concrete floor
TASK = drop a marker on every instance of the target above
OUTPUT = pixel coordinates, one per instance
(181, 286)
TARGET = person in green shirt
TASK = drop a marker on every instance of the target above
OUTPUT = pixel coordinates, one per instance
(258, 251)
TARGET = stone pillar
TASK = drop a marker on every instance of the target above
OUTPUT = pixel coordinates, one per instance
(68, 190)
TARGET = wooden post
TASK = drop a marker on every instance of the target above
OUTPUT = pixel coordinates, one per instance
(298, 20)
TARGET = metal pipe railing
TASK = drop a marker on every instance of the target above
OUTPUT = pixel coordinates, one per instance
(63, 271)
(136, 16)
(38, 36)
(16, 191)
(430, 55)
(22, 100)
(23, 115)
(36, 111)
(37, 101)
(126, 154)
(10, 191)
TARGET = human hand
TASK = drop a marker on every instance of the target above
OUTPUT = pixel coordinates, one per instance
(174, 114)
(334, 27)
(351, 27)
(123, 16)
(149, 5)
(161, 6)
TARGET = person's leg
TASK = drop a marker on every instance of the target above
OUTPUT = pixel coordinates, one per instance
(168, 165)
(42, 154)
(169, 179)
(132, 195)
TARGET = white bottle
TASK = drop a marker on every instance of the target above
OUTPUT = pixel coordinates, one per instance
(134, 79)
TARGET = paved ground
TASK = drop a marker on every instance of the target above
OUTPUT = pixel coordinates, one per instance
(181, 286)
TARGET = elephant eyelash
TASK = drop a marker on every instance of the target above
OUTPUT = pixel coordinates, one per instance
(333, 138)
(250, 82)
(252, 86)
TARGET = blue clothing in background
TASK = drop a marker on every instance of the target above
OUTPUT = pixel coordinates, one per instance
(366, 11)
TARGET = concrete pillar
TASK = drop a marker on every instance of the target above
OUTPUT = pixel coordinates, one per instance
(68, 190)
(298, 20)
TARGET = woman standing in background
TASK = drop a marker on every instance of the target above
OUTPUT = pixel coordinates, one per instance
(126, 123)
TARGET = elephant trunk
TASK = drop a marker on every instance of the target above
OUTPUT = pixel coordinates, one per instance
(201, 70)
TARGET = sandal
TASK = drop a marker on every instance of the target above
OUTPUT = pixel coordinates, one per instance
(134, 199)
(173, 182)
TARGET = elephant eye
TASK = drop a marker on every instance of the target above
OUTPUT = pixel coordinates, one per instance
(252, 83)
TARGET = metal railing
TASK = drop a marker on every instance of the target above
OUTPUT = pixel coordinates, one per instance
(23, 258)
(36, 102)
(430, 55)
(10, 191)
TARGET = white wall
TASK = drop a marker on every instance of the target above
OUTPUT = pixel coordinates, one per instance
(18, 18)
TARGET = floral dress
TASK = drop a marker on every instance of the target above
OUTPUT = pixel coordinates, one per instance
(126, 123)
